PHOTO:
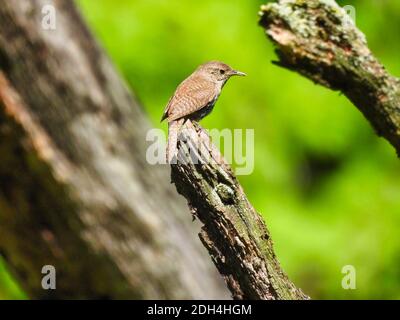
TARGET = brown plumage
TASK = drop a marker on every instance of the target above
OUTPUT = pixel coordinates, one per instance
(195, 98)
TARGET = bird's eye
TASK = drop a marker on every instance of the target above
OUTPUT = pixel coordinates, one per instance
(221, 71)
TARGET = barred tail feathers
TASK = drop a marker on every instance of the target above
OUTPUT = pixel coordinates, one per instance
(172, 145)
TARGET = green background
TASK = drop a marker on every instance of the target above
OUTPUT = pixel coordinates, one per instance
(327, 186)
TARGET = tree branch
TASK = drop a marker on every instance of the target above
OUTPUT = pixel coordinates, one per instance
(233, 232)
(320, 41)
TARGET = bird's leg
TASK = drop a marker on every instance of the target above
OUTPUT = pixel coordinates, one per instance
(189, 142)
(208, 148)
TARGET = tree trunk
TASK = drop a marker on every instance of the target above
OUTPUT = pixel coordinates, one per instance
(75, 189)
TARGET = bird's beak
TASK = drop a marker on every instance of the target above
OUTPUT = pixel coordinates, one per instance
(237, 73)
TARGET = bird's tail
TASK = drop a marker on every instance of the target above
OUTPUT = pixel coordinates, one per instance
(172, 145)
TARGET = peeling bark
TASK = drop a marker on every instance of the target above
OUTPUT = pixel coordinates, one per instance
(76, 191)
(234, 234)
(320, 41)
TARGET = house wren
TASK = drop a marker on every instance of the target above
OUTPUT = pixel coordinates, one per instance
(195, 98)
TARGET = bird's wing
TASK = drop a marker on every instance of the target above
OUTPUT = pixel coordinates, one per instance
(192, 95)
(165, 113)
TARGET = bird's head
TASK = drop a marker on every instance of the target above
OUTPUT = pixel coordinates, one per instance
(218, 71)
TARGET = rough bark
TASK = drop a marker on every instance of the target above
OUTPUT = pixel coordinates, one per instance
(233, 232)
(75, 189)
(320, 41)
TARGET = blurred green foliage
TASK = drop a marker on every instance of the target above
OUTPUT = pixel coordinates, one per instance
(8, 287)
(327, 186)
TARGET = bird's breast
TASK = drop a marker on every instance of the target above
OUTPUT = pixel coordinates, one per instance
(200, 114)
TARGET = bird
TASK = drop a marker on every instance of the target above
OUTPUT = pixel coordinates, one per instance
(195, 98)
